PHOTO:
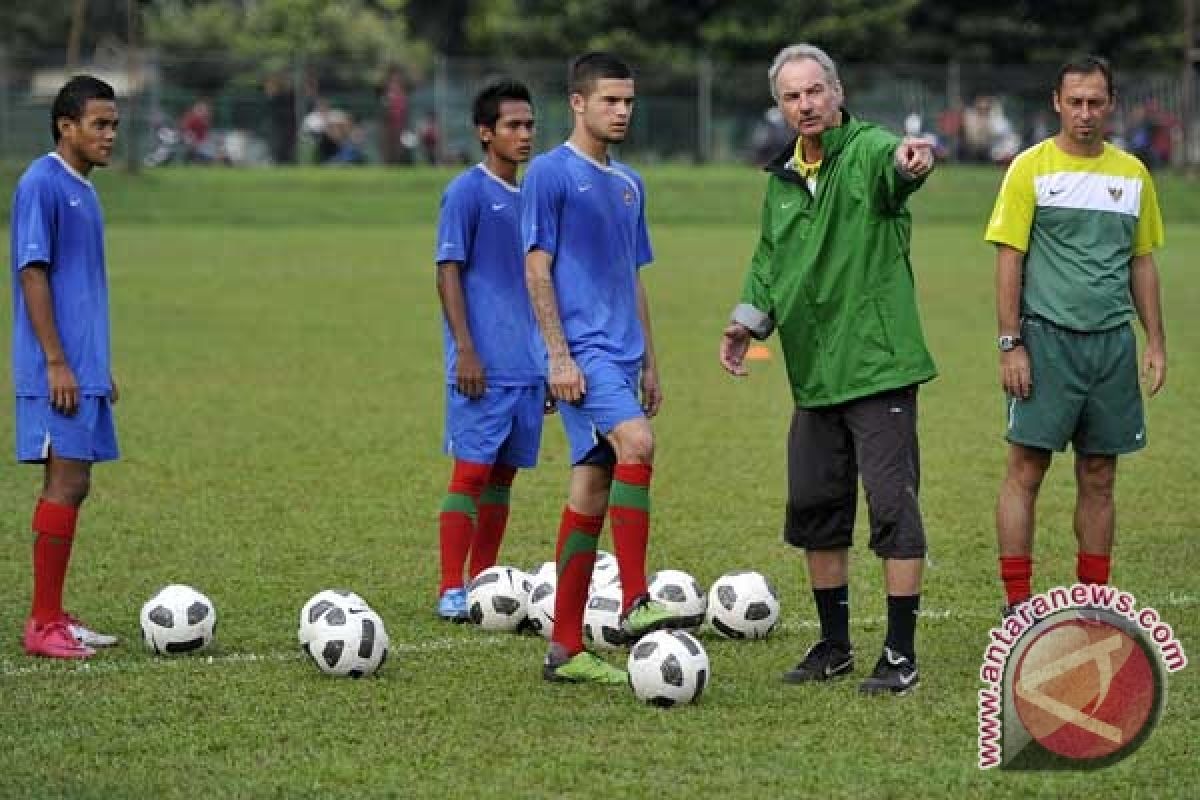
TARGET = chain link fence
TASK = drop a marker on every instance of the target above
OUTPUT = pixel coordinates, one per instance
(220, 111)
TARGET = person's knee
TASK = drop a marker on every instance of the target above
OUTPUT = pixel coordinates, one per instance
(634, 444)
(1096, 477)
(69, 489)
(1027, 469)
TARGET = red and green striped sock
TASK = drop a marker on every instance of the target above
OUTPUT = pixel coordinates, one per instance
(493, 518)
(629, 510)
(456, 523)
(576, 555)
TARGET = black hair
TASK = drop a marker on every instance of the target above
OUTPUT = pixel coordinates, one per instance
(591, 67)
(72, 99)
(1087, 65)
(486, 108)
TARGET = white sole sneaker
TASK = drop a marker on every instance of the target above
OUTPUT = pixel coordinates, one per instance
(86, 636)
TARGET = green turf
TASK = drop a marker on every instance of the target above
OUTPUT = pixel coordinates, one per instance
(281, 418)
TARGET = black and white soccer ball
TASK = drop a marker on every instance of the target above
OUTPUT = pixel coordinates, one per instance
(602, 618)
(497, 599)
(679, 591)
(347, 640)
(178, 619)
(605, 571)
(322, 602)
(546, 571)
(541, 607)
(668, 668)
(743, 605)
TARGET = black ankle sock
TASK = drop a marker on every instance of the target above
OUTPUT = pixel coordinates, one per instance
(833, 609)
(902, 624)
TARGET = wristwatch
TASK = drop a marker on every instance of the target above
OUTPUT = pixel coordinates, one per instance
(1008, 342)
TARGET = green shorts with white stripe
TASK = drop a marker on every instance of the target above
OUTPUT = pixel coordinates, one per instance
(1085, 391)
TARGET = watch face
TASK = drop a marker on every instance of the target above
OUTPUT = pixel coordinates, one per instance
(1006, 343)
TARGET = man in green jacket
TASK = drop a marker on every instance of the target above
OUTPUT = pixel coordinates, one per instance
(831, 272)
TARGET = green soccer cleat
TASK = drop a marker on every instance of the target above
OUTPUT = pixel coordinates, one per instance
(583, 667)
(646, 616)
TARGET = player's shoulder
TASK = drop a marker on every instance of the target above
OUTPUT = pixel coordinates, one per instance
(547, 171)
(870, 133)
(43, 172)
(551, 161)
(465, 184)
(1042, 158)
(1124, 163)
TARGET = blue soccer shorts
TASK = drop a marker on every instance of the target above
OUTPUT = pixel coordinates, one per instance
(504, 426)
(612, 397)
(87, 435)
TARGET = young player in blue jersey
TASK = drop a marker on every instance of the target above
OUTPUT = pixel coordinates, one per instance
(495, 374)
(583, 219)
(61, 362)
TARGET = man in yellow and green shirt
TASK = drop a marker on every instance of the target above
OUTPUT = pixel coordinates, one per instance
(1075, 225)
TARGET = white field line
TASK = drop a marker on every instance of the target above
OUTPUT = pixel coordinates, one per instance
(30, 667)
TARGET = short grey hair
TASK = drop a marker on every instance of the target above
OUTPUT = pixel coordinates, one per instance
(799, 52)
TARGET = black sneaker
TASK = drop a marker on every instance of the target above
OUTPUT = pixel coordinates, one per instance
(824, 660)
(894, 673)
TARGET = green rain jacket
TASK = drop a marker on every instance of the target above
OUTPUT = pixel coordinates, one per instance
(832, 272)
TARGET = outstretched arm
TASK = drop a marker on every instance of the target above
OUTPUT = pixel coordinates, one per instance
(567, 383)
(903, 169)
(1147, 299)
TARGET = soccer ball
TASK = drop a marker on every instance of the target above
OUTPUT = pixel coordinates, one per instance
(743, 605)
(541, 608)
(178, 619)
(679, 592)
(668, 668)
(322, 602)
(548, 571)
(605, 571)
(602, 618)
(496, 599)
(347, 640)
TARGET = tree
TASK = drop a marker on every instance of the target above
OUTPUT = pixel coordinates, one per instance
(211, 43)
(1045, 32)
(677, 31)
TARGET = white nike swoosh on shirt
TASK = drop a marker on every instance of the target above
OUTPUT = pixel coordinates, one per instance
(498, 206)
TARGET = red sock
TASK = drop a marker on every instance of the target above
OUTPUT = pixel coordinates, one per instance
(1017, 574)
(456, 523)
(576, 555)
(629, 509)
(54, 529)
(1092, 567)
(493, 518)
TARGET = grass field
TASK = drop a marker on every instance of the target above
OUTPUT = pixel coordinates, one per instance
(278, 348)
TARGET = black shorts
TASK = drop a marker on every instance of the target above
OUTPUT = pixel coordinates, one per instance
(829, 448)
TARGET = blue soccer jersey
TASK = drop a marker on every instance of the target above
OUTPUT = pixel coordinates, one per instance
(478, 229)
(56, 220)
(591, 218)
